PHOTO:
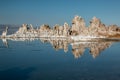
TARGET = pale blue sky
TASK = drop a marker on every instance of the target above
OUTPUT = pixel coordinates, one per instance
(53, 12)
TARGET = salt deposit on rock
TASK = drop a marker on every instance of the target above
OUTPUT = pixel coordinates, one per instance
(78, 30)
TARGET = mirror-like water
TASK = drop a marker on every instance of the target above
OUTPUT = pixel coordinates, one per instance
(46, 59)
(42, 59)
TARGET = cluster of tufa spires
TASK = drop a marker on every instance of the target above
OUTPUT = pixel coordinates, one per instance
(78, 30)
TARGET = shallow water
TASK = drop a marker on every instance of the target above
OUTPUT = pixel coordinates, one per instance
(59, 60)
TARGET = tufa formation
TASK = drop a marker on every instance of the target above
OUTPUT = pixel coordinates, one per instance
(77, 31)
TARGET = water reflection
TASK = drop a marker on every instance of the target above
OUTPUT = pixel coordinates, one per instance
(5, 42)
(78, 48)
(95, 48)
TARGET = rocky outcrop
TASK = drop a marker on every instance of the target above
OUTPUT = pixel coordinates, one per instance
(96, 29)
(56, 30)
(113, 30)
(61, 30)
(4, 34)
(23, 29)
(66, 29)
(78, 25)
(44, 28)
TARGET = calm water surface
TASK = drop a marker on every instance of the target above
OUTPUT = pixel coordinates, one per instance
(59, 60)
(43, 59)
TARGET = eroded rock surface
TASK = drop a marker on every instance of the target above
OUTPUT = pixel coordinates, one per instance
(78, 28)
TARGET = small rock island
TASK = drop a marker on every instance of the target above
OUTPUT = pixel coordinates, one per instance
(78, 31)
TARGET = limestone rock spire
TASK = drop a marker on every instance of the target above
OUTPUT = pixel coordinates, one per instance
(5, 32)
(78, 24)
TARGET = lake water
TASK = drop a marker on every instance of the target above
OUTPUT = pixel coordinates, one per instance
(42, 59)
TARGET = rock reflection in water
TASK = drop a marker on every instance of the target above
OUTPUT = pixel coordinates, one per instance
(78, 48)
(95, 48)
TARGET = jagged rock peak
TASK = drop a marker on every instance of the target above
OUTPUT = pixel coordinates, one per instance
(44, 27)
(78, 24)
(31, 27)
(65, 24)
(77, 18)
(95, 19)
